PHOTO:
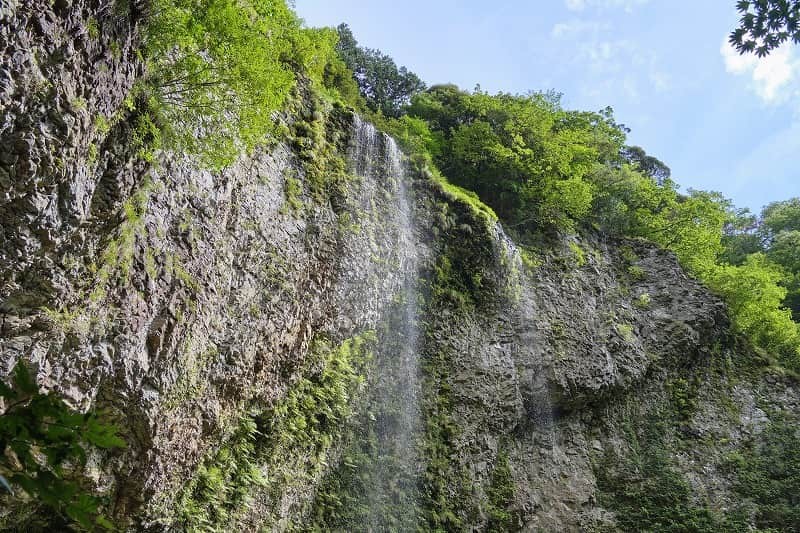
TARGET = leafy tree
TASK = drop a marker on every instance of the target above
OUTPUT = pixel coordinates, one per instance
(776, 234)
(765, 25)
(755, 297)
(44, 445)
(540, 166)
(218, 71)
(740, 237)
(780, 216)
(525, 156)
(646, 164)
(385, 87)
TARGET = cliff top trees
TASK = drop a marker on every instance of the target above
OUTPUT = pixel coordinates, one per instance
(384, 86)
(524, 155)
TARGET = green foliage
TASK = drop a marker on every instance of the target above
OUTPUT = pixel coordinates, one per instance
(530, 259)
(45, 445)
(754, 296)
(441, 506)
(646, 492)
(643, 301)
(224, 481)
(765, 25)
(577, 253)
(318, 403)
(278, 447)
(776, 234)
(768, 475)
(523, 155)
(648, 165)
(683, 394)
(293, 190)
(780, 216)
(385, 87)
(501, 497)
(314, 139)
(219, 70)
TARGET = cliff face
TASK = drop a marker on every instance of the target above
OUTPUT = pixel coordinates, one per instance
(323, 334)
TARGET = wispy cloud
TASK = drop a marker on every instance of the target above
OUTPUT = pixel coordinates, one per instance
(613, 66)
(578, 28)
(627, 5)
(774, 78)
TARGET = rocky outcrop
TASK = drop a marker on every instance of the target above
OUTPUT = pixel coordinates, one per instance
(299, 331)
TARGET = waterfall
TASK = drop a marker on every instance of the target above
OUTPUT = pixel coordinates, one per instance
(394, 466)
(538, 404)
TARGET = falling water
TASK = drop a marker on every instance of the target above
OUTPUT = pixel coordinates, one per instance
(391, 493)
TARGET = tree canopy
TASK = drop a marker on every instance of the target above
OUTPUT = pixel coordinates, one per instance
(765, 25)
(219, 70)
(384, 86)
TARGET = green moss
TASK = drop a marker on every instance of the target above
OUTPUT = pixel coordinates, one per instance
(683, 393)
(77, 103)
(644, 489)
(578, 254)
(530, 258)
(176, 268)
(293, 191)
(446, 486)
(316, 140)
(626, 332)
(91, 155)
(92, 28)
(117, 257)
(101, 125)
(454, 193)
(150, 266)
(500, 493)
(767, 472)
(643, 301)
(636, 273)
(193, 363)
(628, 255)
(68, 321)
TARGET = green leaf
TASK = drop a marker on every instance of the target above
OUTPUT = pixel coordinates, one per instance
(102, 435)
(23, 379)
(83, 510)
(105, 523)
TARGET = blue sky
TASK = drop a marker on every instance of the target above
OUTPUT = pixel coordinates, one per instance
(721, 121)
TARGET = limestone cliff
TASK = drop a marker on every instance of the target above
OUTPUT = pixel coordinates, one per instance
(323, 335)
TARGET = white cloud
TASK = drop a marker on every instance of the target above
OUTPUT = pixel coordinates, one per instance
(577, 28)
(614, 66)
(627, 5)
(774, 78)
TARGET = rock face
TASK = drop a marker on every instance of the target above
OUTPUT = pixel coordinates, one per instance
(381, 335)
